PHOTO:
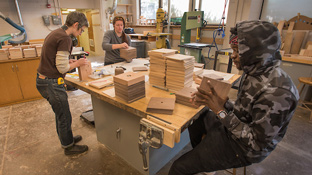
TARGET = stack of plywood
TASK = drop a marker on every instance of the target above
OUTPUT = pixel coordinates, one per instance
(4, 54)
(157, 75)
(179, 72)
(183, 96)
(128, 54)
(15, 52)
(29, 53)
(129, 86)
(6, 46)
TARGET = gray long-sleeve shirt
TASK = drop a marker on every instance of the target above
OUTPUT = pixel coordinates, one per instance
(112, 55)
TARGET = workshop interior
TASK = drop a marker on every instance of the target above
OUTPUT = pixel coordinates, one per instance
(134, 115)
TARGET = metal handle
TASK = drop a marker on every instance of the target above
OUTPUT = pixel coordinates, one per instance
(16, 68)
(118, 131)
(143, 146)
(12, 68)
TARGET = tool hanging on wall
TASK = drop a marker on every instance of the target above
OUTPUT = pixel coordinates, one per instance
(19, 27)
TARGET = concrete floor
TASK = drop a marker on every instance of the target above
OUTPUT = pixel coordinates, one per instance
(29, 144)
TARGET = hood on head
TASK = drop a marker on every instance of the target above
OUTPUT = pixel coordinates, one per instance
(258, 45)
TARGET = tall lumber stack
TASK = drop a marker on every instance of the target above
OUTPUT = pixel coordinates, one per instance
(157, 75)
(129, 86)
(179, 72)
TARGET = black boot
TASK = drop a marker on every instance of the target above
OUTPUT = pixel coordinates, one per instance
(75, 149)
(77, 138)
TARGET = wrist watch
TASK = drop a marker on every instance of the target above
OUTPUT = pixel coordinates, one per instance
(222, 114)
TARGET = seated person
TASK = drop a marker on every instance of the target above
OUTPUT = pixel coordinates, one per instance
(114, 40)
(232, 135)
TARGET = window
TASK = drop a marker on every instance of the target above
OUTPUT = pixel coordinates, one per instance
(178, 7)
(149, 8)
(213, 10)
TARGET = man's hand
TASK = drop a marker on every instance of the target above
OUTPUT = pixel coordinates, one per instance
(209, 98)
(123, 46)
(72, 61)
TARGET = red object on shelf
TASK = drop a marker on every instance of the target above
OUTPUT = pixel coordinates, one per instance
(48, 5)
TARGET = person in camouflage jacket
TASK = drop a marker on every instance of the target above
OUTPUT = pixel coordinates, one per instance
(247, 131)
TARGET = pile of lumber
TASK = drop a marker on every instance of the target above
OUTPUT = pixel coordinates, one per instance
(179, 72)
(157, 75)
(129, 86)
(29, 53)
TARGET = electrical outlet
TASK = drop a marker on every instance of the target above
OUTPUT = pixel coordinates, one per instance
(46, 20)
(56, 20)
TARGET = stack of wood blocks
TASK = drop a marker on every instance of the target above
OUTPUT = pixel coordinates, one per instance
(15, 52)
(38, 50)
(129, 86)
(4, 54)
(157, 75)
(183, 96)
(29, 53)
(179, 72)
(128, 54)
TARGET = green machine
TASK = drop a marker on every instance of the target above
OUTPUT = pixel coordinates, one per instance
(192, 20)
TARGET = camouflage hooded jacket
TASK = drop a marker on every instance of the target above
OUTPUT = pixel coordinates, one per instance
(267, 97)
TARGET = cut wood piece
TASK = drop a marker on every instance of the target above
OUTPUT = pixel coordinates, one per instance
(302, 51)
(183, 96)
(297, 42)
(101, 83)
(280, 27)
(291, 26)
(6, 46)
(161, 105)
(129, 78)
(128, 54)
(142, 68)
(288, 42)
(307, 44)
(169, 135)
(29, 53)
(15, 52)
(221, 87)
(4, 54)
(199, 65)
(84, 71)
(213, 76)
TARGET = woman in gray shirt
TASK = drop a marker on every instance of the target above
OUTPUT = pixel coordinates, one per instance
(114, 40)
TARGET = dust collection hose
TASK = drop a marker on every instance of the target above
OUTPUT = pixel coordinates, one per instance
(23, 31)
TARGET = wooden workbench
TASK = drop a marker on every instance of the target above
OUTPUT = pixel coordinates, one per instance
(113, 115)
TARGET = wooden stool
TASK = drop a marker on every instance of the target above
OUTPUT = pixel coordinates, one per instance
(304, 104)
(234, 171)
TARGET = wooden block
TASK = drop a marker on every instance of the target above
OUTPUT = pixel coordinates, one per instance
(101, 83)
(84, 71)
(142, 68)
(297, 42)
(128, 54)
(169, 135)
(6, 46)
(288, 42)
(161, 105)
(222, 88)
(129, 78)
(29, 53)
(15, 53)
(212, 76)
(281, 26)
(291, 26)
(307, 44)
(199, 65)
(4, 54)
(161, 52)
(302, 51)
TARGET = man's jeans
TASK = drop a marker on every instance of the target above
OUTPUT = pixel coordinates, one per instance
(57, 97)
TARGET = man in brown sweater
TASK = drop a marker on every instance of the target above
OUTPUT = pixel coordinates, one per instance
(54, 64)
